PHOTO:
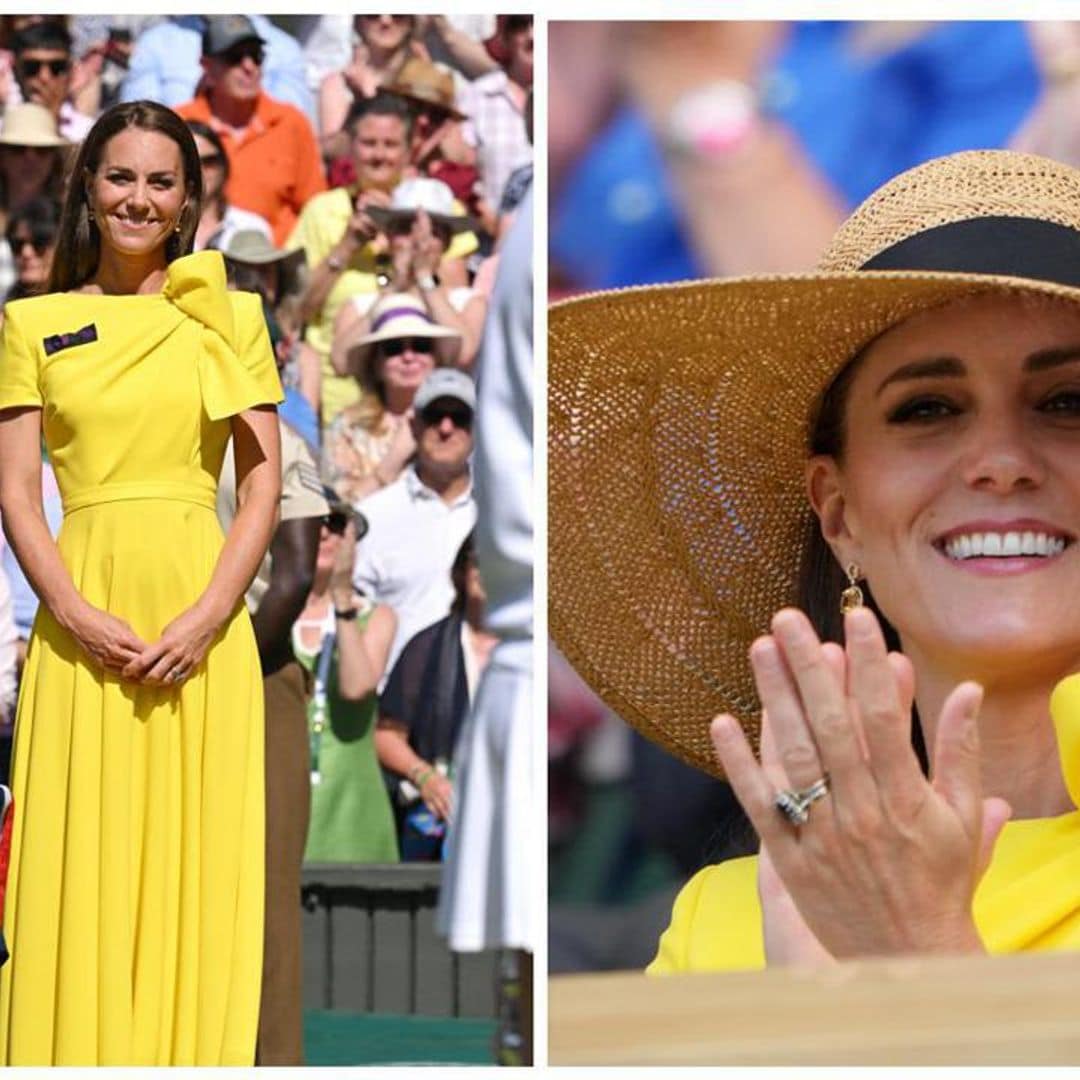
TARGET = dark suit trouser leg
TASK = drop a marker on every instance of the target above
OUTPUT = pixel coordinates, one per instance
(288, 805)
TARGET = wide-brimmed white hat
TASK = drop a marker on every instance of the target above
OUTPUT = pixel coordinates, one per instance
(402, 315)
(422, 193)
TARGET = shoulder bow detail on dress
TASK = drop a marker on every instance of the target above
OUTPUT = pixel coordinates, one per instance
(196, 285)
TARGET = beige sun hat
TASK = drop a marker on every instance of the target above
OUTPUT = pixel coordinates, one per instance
(401, 315)
(679, 418)
(29, 124)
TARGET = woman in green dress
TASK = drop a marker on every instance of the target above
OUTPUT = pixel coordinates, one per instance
(344, 642)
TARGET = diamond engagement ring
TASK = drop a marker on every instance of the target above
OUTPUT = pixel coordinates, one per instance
(795, 805)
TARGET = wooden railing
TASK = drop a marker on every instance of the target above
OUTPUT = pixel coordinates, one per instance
(979, 1010)
(370, 945)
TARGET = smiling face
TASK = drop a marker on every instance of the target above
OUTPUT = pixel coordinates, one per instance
(958, 493)
(380, 146)
(137, 191)
(404, 363)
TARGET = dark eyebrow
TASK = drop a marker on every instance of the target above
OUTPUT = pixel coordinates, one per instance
(923, 369)
(1045, 359)
(951, 366)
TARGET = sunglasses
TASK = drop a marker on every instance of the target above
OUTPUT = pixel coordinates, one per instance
(208, 161)
(459, 415)
(39, 244)
(396, 346)
(31, 68)
(336, 522)
(245, 51)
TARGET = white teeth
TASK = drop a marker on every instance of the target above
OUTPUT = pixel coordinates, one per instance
(1003, 545)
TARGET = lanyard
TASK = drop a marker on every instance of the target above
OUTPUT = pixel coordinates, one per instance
(318, 703)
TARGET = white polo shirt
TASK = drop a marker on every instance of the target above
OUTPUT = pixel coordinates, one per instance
(405, 559)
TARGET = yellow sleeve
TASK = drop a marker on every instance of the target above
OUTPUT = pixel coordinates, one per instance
(464, 243)
(254, 348)
(715, 923)
(19, 383)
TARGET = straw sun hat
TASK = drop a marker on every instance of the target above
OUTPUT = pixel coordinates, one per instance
(679, 419)
(29, 124)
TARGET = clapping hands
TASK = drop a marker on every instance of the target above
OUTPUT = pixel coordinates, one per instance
(888, 861)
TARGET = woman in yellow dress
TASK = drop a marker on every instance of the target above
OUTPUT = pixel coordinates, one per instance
(134, 902)
(885, 454)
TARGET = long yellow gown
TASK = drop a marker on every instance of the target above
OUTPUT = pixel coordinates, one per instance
(135, 897)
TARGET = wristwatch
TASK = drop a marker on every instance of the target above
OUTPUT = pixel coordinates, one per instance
(712, 120)
(346, 613)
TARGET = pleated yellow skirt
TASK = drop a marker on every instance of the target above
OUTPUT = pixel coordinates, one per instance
(134, 905)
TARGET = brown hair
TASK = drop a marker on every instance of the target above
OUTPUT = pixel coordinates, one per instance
(821, 579)
(78, 247)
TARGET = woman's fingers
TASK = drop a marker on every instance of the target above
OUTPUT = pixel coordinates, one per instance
(824, 705)
(141, 664)
(796, 752)
(955, 770)
(885, 722)
(752, 787)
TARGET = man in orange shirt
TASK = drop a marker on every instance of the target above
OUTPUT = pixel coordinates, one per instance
(274, 160)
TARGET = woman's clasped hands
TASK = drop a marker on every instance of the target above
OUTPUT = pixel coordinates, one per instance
(114, 646)
(886, 861)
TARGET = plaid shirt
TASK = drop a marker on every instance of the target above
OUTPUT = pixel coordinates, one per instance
(496, 128)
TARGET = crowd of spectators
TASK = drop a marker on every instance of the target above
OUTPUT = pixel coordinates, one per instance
(358, 174)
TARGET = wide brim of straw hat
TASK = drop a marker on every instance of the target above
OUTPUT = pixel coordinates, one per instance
(384, 216)
(415, 95)
(678, 420)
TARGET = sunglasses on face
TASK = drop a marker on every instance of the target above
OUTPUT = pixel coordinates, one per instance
(32, 68)
(459, 415)
(39, 244)
(32, 151)
(396, 346)
(239, 53)
(336, 522)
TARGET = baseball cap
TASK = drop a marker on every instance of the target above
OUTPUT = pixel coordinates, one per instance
(445, 382)
(224, 31)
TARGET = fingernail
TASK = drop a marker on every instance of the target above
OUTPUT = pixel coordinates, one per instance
(724, 727)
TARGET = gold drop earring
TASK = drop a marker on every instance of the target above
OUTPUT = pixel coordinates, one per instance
(852, 597)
